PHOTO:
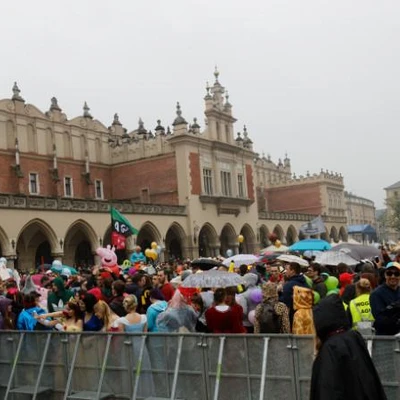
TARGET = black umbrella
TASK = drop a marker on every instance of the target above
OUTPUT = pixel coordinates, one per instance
(357, 251)
(205, 263)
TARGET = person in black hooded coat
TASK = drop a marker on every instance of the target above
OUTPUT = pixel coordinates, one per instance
(343, 368)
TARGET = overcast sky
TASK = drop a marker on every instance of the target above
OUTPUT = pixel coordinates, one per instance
(318, 79)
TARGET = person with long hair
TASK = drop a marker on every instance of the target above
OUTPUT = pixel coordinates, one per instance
(90, 321)
(359, 311)
(70, 319)
(108, 317)
(133, 321)
(7, 318)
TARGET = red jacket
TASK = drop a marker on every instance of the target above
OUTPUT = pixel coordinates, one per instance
(222, 321)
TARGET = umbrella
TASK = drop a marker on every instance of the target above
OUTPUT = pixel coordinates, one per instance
(212, 279)
(240, 259)
(291, 258)
(205, 263)
(335, 258)
(58, 269)
(280, 249)
(268, 257)
(310, 244)
(357, 251)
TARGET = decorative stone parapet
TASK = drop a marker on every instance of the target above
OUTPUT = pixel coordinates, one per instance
(63, 204)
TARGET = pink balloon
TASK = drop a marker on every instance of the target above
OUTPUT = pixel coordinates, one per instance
(252, 316)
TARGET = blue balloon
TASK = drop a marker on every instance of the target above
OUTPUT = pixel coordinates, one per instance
(229, 253)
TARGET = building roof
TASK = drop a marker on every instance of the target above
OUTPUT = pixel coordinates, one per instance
(394, 186)
(361, 229)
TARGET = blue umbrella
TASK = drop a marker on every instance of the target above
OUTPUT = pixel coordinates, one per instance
(310, 244)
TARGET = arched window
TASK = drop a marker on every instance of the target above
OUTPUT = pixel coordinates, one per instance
(218, 131)
(49, 141)
(32, 138)
(83, 147)
(10, 131)
(97, 144)
(67, 145)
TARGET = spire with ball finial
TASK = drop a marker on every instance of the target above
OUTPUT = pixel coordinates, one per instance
(86, 111)
(179, 119)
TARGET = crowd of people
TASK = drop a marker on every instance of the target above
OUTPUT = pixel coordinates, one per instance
(274, 298)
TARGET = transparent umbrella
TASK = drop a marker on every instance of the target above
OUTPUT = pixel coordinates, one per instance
(335, 258)
(210, 279)
(240, 259)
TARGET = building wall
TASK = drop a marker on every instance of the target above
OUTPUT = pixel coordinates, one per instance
(151, 180)
(359, 210)
(304, 198)
(157, 180)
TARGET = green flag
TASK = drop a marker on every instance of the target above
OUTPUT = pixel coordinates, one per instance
(121, 225)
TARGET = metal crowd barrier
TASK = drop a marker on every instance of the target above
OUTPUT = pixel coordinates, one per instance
(61, 366)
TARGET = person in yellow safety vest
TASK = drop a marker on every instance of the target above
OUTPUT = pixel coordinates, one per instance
(359, 310)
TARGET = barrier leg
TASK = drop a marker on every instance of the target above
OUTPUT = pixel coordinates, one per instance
(176, 371)
(264, 368)
(219, 366)
(103, 367)
(46, 349)
(14, 367)
(139, 368)
(71, 371)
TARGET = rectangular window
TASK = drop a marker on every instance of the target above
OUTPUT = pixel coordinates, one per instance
(68, 188)
(99, 189)
(226, 184)
(207, 181)
(240, 185)
(33, 183)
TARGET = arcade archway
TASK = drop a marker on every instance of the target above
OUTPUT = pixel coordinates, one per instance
(343, 234)
(291, 235)
(174, 240)
(279, 232)
(334, 234)
(228, 239)
(264, 233)
(79, 244)
(36, 244)
(249, 242)
(148, 233)
(208, 241)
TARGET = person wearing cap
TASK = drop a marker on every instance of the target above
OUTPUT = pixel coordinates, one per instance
(385, 302)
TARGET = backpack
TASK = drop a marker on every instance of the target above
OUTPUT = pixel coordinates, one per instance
(269, 319)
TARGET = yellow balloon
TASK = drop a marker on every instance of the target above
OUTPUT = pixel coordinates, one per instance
(278, 243)
(153, 254)
(241, 238)
(153, 245)
(147, 253)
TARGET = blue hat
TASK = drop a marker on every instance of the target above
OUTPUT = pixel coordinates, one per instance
(392, 264)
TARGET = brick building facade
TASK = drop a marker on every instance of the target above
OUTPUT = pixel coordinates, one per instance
(191, 189)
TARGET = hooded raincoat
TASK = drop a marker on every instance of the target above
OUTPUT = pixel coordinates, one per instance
(343, 368)
(303, 301)
(56, 301)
